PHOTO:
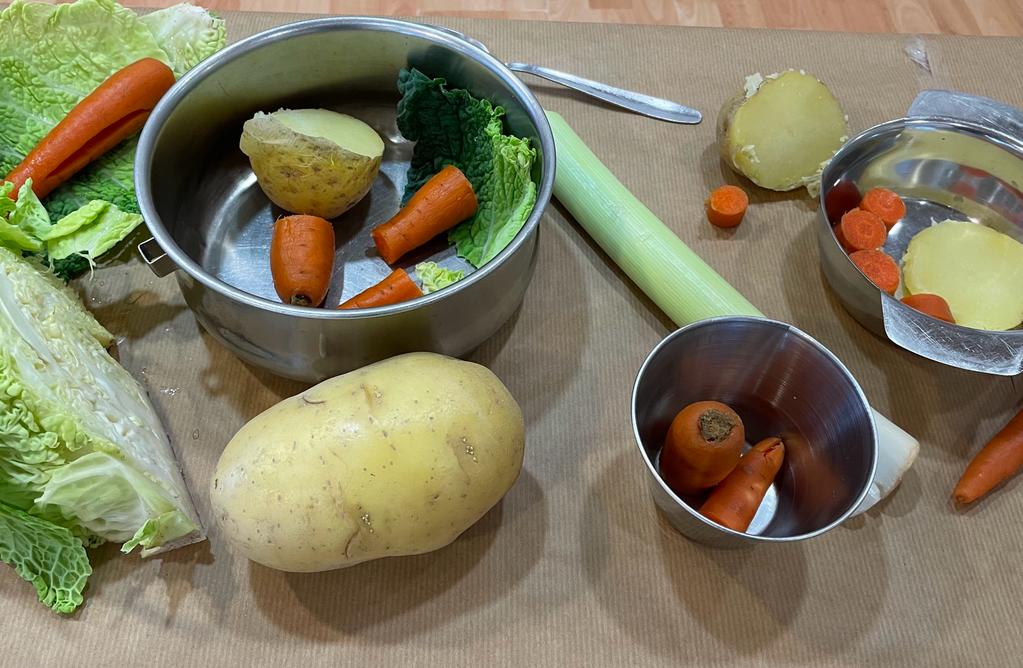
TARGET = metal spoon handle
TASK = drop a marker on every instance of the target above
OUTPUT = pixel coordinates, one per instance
(655, 107)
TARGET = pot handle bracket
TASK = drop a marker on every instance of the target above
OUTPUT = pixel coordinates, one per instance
(156, 258)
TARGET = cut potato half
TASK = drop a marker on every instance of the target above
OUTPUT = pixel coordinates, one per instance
(977, 270)
(780, 130)
(312, 161)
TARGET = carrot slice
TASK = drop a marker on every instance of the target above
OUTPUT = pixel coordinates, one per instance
(734, 502)
(726, 206)
(879, 267)
(933, 305)
(117, 109)
(885, 204)
(441, 203)
(302, 259)
(998, 461)
(396, 288)
(841, 239)
(863, 230)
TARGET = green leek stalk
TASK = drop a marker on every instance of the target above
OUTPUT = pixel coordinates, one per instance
(682, 285)
(675, 278)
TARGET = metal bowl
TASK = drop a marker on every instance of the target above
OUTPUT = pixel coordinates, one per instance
(942, 168)
(211, 221)
(783, 383)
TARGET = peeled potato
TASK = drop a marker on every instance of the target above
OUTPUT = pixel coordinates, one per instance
(978, 271)
(312, 161)
(780, 130)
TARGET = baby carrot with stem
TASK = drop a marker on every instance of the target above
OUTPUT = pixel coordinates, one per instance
(734, 502)
(885, 204)
(998, 461)
(397, 287)
(117, 109)
(302, 259)
(726, 206)
(441, 203)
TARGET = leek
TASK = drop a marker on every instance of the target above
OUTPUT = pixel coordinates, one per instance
(682, 285)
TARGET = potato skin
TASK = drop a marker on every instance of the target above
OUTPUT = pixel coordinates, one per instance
(302, 174)
(396, 458)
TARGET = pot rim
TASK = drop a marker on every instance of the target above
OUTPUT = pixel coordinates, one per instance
(184, 86)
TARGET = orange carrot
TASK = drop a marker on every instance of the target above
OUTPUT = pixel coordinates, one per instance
(396, 288)
(885, 204)
(734, 502)
(879, 267)
(726, 206)
(703, 444)
(441, 203)
(117, 109)
(998, 461)
(863, 230)
(302, 259)
(933, 305)
(841, 240)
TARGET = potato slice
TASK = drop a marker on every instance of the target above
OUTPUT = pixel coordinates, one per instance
(979, 272)
(780, 130)
(312, 161)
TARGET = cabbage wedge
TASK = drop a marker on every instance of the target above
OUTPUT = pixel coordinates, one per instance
(80, 444)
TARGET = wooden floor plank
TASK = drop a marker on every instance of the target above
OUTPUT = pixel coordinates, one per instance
(961, 17)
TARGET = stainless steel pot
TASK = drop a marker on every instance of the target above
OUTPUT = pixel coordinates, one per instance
(782, 383)
(942, 168)
(212, 223)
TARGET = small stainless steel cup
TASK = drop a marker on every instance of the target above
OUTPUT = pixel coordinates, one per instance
(783, 383)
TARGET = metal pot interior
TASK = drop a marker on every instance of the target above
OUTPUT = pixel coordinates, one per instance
(207, 211)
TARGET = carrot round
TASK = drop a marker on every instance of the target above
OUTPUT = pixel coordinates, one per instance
(863, 230)
(885, 204)
(117, 109)
(396, 288)
(841, 239)
(703, 444)
(879, 267)
(441, 203)
(726, 206)
(302, 259)
(734, 502)
(933, 305)
(998, 461)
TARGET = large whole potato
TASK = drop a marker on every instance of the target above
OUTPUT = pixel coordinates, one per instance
(396, 458)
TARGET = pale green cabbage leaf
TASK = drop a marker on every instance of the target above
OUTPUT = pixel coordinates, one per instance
(435, 277)
(47, 555)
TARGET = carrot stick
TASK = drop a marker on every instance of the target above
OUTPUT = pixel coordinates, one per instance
(998, 461)
(885, 204)
(114, 111)
(396, 288)
(863, 230)
(933, 305)
(734, 502)
(726, 206)
(441, 203)
(879, 267)
(302, 259)
(703, 444)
